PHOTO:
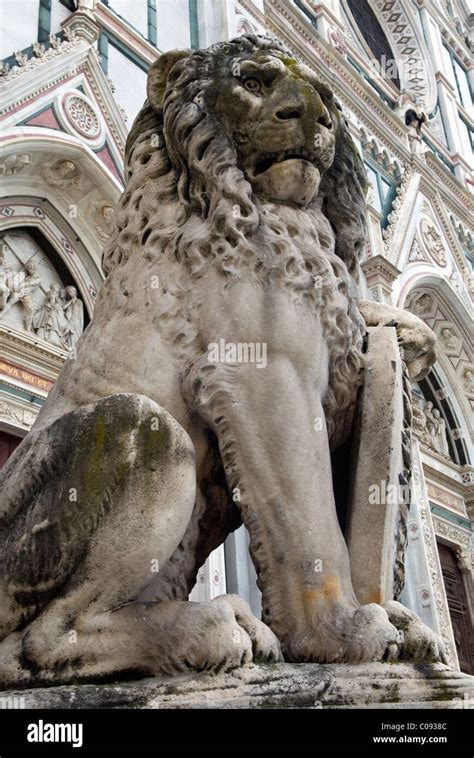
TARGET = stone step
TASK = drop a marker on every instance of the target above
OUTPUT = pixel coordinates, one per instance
(281, 685)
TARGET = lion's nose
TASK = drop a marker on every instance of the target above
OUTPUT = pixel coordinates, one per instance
(292, 111)
(325, 119)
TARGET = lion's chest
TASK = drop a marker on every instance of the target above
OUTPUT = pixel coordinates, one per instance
(267, 320)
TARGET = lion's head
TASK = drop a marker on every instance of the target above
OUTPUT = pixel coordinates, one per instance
(242, 157)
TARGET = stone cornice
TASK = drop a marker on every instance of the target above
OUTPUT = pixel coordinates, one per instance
(468, 117)
(447, 27)
(21, 84)
(26, 350)
(16, 414)
(321, 9)
(379, 265)
(441, 79)
(253, 11)
(126, 33)
(450, 182)
(458, 45)
(433, 474)
(83, 25)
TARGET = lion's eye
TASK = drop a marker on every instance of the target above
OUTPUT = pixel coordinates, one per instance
(253, 85)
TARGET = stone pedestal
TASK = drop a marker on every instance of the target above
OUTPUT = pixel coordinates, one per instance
(281, 685)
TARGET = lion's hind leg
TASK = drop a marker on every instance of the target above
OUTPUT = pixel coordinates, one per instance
(169, 637)
(95, 505)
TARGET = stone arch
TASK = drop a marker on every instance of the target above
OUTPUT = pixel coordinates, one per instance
(64, 173)
(434, 300)
(396, 19)
(57, 211)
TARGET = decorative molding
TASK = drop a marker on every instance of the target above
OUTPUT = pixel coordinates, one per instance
(41, 55)
(84, 65)
(393, 217)
(433, 242)
(439, 210)
(82, 25)
(400, 27)
(23, 349)
(16, 412)
(461, 540)
(380, 154)
(431, 554)
(445, 497)
(380, 275)
(416, 253)
(383, 267)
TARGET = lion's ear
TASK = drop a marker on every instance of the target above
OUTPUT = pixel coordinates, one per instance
(158, 74)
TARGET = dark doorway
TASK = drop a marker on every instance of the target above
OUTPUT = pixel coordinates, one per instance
(8, 443)
(458, 608)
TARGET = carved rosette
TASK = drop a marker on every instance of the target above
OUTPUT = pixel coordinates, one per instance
(80, 116)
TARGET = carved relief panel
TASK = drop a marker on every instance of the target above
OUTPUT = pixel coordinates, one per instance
(32, 295)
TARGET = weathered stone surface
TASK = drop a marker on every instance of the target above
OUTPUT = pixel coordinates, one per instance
(377, 494)
(281, 685)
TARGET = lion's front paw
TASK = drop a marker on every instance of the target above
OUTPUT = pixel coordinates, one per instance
(416, 337)
(347, 635)
(369, 633)
(418, 641)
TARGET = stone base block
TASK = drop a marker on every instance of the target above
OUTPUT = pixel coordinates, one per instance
(282, 685)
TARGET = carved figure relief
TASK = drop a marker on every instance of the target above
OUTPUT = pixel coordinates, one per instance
(422, 305)
(63, 173)
(18, 287)
(74, 317)
(13, 164)
(448, 339)
(104, 221)
(468, 377)
(431, 427)
(414, 122)
(32, 295)
(49, 320)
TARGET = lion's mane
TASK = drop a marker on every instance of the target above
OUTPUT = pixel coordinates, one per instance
(187, 199)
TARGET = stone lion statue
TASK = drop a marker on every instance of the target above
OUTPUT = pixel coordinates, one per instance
(241, 224)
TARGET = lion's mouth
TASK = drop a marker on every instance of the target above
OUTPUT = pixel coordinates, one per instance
(270, 160)
(289, 176)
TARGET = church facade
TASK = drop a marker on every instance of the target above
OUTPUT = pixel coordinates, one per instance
(73, 78)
